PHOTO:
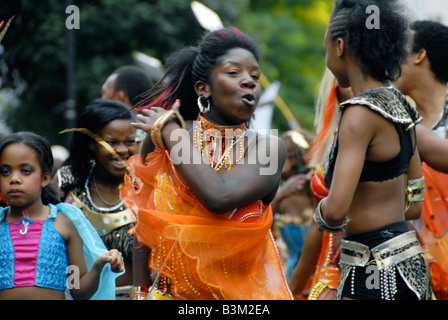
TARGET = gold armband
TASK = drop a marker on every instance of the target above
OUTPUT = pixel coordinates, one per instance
(139, 293)
(415, 191)
(156, 131)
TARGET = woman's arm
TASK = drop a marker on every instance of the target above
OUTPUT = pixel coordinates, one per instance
(414, 172)
(432, 149)
(356, 131)
(88, 280)
(141, 272)
(255, 177)
(307, 262)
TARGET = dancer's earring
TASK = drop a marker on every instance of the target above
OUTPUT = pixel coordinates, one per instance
(201, 104)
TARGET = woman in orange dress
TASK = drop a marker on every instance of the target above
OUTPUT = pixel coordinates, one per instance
(201, 190)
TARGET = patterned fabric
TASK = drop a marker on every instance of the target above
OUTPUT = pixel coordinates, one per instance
(397, 258)
(118, 238)
(441, 126)
(205, 255)
(52, 256)
(388, 102)
(37, 257)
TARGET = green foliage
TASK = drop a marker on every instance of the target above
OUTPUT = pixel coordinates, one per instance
(291, 34)
(35, 57)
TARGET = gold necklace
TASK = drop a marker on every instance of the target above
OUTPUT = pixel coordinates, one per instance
(99, 194)
(215, 142)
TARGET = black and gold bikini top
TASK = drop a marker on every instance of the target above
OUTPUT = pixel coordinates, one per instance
(392, 105)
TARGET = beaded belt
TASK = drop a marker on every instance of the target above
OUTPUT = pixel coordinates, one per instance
(387, 254)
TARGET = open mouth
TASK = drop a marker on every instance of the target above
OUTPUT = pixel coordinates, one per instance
(248, 99)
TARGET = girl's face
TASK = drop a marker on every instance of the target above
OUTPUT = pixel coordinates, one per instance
(120, 135)
(235, 87)
(21, 179)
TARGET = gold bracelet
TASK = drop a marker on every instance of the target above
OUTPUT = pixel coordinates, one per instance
(139, 293)
(415, 192)
(156, 131)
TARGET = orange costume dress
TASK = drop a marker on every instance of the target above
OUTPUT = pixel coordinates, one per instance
(434, 231)
(203, 254)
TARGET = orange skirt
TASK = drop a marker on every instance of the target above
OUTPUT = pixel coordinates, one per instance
(205, 255)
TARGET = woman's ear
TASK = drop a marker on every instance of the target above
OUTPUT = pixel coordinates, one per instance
(340, 45)
(420, 56)
(202, 89)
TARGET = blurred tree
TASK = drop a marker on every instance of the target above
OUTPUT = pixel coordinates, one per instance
(35, 52)
(34, 58)
(292, 35)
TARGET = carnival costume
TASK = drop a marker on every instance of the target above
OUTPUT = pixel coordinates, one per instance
(327, 275)
(393, 249)
(433, 225)
(198, 253)
(33, 253)
(112, 224)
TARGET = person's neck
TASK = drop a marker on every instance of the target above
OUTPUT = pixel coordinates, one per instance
(359, 82)
(362, 84)
(217, 119)
(106, 180)
(430, 97)
(34, 210)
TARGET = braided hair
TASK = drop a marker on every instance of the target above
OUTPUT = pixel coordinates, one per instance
(381, 51)
(191, 64)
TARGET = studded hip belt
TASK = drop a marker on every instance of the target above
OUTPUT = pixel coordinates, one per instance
(387, 254)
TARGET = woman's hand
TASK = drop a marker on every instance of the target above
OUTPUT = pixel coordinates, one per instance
(147, 117)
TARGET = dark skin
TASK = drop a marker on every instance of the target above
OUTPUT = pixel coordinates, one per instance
(22, 181)
(416, 80)
(293, 198)
(363, 134)
(109, 171)
(234, 77)
(224, 191)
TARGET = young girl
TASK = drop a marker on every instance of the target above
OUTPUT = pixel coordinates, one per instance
(39, 244)
(373, 160)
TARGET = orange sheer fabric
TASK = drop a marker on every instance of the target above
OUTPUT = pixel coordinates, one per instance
(205, 255)
(434, 231)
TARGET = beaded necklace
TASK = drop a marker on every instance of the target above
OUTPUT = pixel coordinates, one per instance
(215, 142)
